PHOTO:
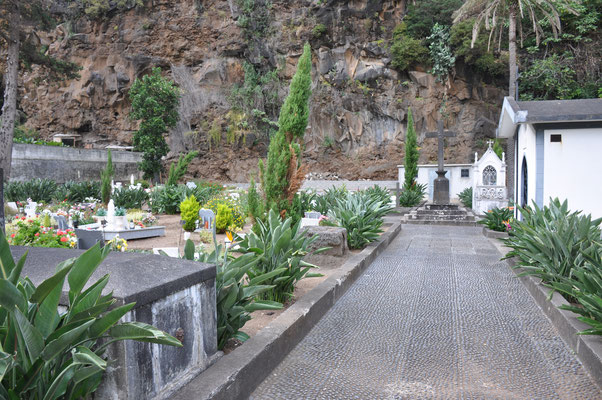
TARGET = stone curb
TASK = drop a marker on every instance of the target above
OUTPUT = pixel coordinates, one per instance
(494, 234)
(237, 374)
(588, 349)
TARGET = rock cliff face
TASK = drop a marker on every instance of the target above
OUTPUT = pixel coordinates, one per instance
(359, 103)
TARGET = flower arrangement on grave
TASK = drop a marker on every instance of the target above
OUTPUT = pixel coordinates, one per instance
(32, 232)
(118, 244)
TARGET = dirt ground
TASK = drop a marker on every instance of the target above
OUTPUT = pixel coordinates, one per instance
(174, 235)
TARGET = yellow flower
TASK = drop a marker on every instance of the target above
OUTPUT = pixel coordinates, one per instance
(229, 235)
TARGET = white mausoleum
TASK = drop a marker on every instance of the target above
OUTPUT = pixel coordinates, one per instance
(489, 182)
(558, 151)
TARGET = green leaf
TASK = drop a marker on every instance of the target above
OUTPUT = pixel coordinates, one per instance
(34, 341)
(101, 325)
(189, 250)
(11, 297)
(47, 317)
(263, 305)
(6, 259)
(59, 385)
(82, 270)
(46, 287)
(243, 337)
(16, 272)
(64, 341)
(85, 356)
(142, 332)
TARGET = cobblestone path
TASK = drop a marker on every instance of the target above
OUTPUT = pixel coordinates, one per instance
(437, 315)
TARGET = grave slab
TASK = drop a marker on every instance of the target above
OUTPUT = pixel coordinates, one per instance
(177, 296)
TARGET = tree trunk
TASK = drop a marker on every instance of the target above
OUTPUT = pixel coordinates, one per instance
(9, 109)
(512, 51)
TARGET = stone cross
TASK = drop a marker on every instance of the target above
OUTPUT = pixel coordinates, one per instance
(440, 134)
(441, 192)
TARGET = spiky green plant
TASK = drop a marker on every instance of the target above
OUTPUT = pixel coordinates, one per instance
(49, 354)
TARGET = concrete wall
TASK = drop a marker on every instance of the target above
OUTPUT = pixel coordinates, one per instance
(427, 175)
(62, 164)
(571, 169)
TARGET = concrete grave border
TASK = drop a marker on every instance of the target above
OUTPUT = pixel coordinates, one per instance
(587, 348)
(237, 374)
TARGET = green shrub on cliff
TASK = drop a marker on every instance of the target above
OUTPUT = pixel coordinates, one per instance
(405, 50)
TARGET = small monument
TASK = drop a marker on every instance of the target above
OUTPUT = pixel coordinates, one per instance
(441, 189)
(489, 182)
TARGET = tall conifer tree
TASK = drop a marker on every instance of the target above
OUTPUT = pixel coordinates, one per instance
(412, 155)
(283, 174)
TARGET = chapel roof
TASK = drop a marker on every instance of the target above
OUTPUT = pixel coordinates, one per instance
(547, 111)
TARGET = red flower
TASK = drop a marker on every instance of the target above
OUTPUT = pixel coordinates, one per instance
(37, 234)
(12, 236)
(23, 218)
(64, 239)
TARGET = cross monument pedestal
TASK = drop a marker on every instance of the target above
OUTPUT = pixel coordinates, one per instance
(441, 187)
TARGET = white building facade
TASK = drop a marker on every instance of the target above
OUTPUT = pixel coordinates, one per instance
(459, 175)
(558, 151)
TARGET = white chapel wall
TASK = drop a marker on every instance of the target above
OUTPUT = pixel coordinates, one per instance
(572, 169)
(526, 147)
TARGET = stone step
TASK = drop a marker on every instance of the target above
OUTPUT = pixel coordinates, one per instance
(441, 206)
(445, 217)
(441, 222)
(441, 212)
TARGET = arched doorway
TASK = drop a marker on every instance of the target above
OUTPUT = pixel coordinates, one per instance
(524, 198)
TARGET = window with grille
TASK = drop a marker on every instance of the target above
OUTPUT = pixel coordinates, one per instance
(489, 176)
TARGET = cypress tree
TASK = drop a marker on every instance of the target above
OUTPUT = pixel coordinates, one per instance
(282, 175)
(412, 155)
(105, 180)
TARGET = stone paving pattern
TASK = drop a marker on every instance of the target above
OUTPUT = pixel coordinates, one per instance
(437, 315)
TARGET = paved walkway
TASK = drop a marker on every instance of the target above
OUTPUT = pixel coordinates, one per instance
(435, 316)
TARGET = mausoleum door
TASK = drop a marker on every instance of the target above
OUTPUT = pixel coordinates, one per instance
(525, 192)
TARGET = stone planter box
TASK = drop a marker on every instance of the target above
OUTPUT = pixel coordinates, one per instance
(176, 296)
(328, 236)
(494, 234)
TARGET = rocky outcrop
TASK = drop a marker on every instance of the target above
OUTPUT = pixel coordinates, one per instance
(358, 107)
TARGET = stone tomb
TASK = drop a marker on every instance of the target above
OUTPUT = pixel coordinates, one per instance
(177, 296)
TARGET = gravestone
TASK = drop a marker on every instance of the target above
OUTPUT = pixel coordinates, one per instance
(206, 220)
(441, 184)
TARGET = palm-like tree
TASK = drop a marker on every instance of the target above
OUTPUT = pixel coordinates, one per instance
(495, 13)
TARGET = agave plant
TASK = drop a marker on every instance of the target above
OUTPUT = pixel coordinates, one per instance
(551, 242)
(362, 216)
(235, 294)
(497, 219)
(47, 354)
(279, 248)
(585, 285)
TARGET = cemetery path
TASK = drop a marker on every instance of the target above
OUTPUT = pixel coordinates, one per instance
(437, 315)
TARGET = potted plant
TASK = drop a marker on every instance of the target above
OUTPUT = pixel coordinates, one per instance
(189, 211)
(101, 215)
(120, 219)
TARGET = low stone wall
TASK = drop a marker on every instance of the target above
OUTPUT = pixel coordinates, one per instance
(176, 296)
(62, 164)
